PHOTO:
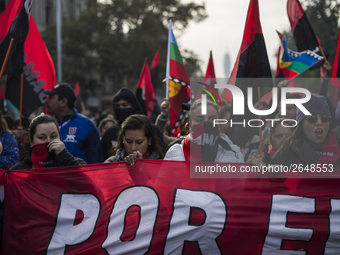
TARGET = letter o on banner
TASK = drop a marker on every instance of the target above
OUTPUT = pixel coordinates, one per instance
(148, 201)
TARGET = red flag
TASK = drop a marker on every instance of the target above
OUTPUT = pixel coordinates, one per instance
(146, 95)
(252, 60)
(209, 77)
(77, 89)
(14, 24)
(154, 69)
(79, 102)
(39, 73)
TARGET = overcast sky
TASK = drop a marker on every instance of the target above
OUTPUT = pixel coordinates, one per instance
(222, 31)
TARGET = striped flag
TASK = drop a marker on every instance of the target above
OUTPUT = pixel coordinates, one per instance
(294, 63)
(178, 83)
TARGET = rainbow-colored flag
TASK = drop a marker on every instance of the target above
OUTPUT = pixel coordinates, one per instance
(178, 83)
(294, 63)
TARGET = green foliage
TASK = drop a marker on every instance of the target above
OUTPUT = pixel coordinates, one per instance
(113, 39)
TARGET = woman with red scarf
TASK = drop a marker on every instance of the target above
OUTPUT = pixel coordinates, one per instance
(204, 142)
(44, 148)
(312, 142)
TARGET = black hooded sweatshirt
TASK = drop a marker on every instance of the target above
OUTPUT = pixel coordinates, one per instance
(111, 134)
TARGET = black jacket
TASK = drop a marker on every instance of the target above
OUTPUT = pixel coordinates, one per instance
(64, 158)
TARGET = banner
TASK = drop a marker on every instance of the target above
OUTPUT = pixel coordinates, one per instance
(154, 208)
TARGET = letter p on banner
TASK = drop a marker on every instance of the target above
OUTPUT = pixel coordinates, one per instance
(66, 232)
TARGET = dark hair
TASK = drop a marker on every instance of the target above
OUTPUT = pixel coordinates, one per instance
(139, 122)
(182, 125)
(3, 124)
(69, 103)
(104, 121)
(271, 131)
(223, 110)
(40, 119)
(104, 115)
(24, 122)
(290, 149)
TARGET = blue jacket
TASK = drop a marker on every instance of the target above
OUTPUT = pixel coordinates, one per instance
(81, 137)
(10, 154)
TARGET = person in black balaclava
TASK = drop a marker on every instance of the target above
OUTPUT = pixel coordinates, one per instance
(125, 104)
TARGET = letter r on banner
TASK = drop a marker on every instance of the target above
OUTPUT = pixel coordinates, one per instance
(65, 232)
(205, 234)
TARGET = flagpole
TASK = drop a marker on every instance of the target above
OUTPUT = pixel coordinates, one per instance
(259, 107)
(58, 21)
(168, 61)
(21, 94)
(82, 106)
(323, 54)
(6, 58)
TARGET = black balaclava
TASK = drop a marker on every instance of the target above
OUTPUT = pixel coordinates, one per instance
(122, 113)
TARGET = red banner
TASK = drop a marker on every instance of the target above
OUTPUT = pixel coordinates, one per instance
(154, 208)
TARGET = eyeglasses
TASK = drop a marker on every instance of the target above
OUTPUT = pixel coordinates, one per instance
(314, 118)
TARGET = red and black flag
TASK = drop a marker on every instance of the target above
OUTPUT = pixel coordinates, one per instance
(146, 95)
(252, 60)
(335, 81)
(304, 36)
(209, 77)
(39, 74)
(154, 69)
(79, 102)
(14, 24)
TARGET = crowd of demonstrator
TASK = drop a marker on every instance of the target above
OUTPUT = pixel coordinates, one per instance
(66, 137)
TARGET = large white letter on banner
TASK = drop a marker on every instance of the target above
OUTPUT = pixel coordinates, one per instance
(148, 201)
(333, 242)
(206, 234)
(298, 102)
(277, 230)
(65, 232)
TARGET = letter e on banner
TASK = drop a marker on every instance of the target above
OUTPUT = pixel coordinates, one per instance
(148, 202)
(205, 234)
(333, 243)
(277, 230)
(65, 232)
